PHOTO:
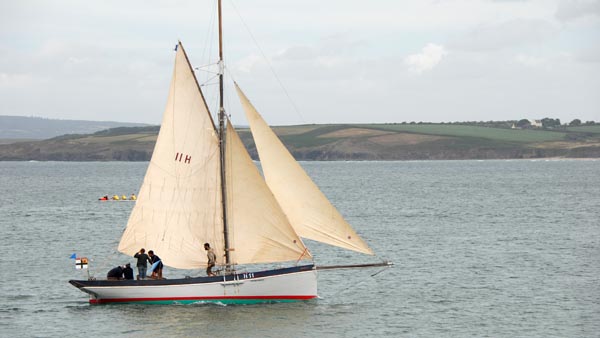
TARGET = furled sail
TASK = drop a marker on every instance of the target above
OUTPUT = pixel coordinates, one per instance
(179, 203)
(307, 208)
(259, 230)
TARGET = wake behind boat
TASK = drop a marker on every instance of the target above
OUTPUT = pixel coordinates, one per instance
(201, 186)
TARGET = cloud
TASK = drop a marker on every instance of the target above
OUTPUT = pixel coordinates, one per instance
(16, 81)
(340, 44)
(573, 9)
(531, 61)
(334, 58)
(248, 63)
(296, 53)
(333, 53)
(486, 37)
(429, 57)
(590, 54)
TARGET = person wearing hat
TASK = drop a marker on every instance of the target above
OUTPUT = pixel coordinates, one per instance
(128, 271)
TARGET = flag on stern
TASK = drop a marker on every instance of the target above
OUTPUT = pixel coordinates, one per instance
(81, 263)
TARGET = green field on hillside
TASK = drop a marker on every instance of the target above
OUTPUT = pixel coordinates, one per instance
(310, 137)
(338, 142)
(498, 134)
(585, 129)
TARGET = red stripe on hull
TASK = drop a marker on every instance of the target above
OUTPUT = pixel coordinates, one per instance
(127, 300)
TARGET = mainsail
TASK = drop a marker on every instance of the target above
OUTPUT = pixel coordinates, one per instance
(309, 211)
(179, 203)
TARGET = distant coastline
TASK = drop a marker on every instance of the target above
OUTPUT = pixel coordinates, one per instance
(339, 142)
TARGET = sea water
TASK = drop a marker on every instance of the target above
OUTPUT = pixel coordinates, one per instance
(481, 249)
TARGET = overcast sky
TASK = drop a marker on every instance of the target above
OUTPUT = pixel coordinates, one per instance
(340, 61)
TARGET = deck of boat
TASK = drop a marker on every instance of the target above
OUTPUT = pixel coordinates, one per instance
(190, 280)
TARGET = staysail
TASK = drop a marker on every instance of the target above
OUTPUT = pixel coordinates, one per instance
(259, 230)
(309, 211)
(179, 203)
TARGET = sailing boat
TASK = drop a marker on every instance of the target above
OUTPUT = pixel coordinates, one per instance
(201, 186)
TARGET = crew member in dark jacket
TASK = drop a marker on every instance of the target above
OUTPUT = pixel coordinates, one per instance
(142, 263)
(157, 272)
(115, 273)
(128, 271)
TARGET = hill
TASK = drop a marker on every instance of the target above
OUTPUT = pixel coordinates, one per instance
(22, 127)
(338, 142)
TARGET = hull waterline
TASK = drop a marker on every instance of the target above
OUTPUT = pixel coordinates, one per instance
(271, 286)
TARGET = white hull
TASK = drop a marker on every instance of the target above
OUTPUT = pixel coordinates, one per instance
(281, 285)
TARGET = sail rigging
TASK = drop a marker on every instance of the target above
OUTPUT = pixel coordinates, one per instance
(180, 204)
(200, 177)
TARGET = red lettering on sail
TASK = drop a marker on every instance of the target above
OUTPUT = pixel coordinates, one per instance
(179, 158)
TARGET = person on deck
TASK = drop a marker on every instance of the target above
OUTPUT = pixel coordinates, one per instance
(128, 271)
(157, 272)
(115, 273)
(212, 259)
(133, 198)
(142, 263)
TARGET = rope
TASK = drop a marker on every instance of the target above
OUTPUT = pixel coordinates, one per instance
(268, 63)
(208, 40)
(303, 253)
(368, 278)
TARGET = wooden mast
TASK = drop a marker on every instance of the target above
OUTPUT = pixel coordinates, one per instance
(222, 139)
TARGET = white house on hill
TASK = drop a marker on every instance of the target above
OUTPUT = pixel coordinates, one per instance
(535, 123)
